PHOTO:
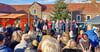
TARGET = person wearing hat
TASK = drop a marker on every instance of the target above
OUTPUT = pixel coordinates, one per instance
(2, 47)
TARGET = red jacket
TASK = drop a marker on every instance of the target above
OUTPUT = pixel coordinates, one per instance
(49, 24)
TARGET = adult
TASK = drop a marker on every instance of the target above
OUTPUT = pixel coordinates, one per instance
(17, 27)
(50, 33)
(65, 38)
(38, 26)
(41, 25)
(61, 27)
(74, 27)
(93, 38)
(50, 45)
(1, 29)
(57, 26)
(2, 47)
(23, 43)
(16, 38)
(44, 27)
(49, 24)
(71, 47)
(53, 25)
(85, 44)
(80, 36)
(9, 29)
(27, 28)
(32, 47)
(67, 25)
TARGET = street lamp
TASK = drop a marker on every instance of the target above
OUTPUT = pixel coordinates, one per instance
(71, 15)
(29, 19)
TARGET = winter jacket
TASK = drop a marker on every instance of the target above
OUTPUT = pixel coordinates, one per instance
(5, 49)
(53, 26)
(93, 38)
(21, 46)
(61, 26)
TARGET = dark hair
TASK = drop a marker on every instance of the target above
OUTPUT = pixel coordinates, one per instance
(1, 38)
(50, 32)
(83, 35)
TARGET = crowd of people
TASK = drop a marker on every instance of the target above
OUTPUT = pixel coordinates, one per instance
(49, 36)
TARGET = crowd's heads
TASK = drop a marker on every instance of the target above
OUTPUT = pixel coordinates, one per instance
(53, 21)
(66, 33)
(43, 32)
(89, 27)
(16, 36)
(71, 45)
(30, 33)
(74, 20)
(1, 39)
(61, 21)
(85, 36)
(50, 45)
(26, 37)
(17, 25)
(50, 32)
(35, 43)
(65, 37)
(67, 20)
(81, 31)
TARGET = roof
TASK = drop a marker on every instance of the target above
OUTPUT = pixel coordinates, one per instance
(88, 7)
(14, 8)
(21, 8)
(95, 20)
(48, 8)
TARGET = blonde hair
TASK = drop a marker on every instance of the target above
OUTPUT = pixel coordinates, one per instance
(16, 36)
(17, 25)
(25, 37)
(35, 42)
(50, 45)
(30, 33)
(65, 37)
(71, 45)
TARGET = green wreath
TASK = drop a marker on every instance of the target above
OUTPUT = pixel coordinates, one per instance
(4, 20)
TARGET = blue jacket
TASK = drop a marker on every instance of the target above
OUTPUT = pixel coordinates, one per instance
(5, 49)
(38, 25)
(61, 26)
(93, 38)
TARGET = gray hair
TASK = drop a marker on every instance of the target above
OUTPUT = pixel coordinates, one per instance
(50, 45)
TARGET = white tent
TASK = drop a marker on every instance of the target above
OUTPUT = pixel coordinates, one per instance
(95, 20)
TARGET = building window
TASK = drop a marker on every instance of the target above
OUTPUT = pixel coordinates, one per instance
(44, 17)
(88, 17)
(35, 11)
(98, 1)
(78, 17)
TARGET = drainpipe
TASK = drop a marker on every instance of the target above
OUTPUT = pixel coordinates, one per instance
(71, 19)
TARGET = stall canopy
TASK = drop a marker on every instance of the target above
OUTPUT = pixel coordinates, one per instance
(11, 15)
(95, 20)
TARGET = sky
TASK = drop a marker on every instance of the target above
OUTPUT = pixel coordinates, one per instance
(22, 2)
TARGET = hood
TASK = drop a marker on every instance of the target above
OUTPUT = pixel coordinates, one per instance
(1, 47)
